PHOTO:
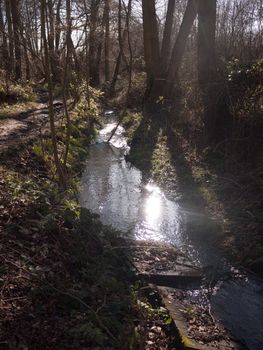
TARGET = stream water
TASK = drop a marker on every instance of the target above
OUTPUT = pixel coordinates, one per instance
(124, 199)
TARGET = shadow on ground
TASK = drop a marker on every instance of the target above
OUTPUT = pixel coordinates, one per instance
(146, 139)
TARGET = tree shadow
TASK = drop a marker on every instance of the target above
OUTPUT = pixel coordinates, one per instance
(144, 141)
(199, 224)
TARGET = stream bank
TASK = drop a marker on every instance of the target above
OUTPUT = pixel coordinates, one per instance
(231, 209)
(62, 285)
(126, 199)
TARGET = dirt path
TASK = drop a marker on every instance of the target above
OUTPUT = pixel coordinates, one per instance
(22, 127)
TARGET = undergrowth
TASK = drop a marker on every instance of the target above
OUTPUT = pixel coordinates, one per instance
(221, 184)
(11, 92)
(64, 282)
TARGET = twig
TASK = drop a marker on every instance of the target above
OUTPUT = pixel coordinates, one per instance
(115, 129)
(231, 180)
(11, 299)
(102, 306)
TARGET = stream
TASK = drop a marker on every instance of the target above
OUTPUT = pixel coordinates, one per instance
(126, 200)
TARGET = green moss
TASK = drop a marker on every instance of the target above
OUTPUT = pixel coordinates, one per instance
(131, 123)
(187, 341)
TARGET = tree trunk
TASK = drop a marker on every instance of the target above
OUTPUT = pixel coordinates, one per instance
(206, 62)
(66, 80)
(121, 38)
(179, 46)
(4, 63)
(151, 41)
(10, 35)
(167, 34)
(54, 61)
(27, 62)
(206, 41)
(16, 29)
(26, 46)
(48, 73)
(115, 74)
(151, 50)
(98, 64)
(107, 40)
(94, 68)
(130, 63)
(218, 121)
(57, 26)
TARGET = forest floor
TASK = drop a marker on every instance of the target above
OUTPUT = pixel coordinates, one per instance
(222, 208)
(20, 122)
(64, 282)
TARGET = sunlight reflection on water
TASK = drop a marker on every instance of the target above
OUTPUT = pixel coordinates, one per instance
(158, 218)
(153, 205)
(115, 190)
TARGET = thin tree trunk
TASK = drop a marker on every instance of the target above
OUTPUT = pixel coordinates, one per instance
(10, 35)
(16, 29)
(130, 63)
(128, 12)
(115, 74)
(51, 42)
(4, 41)
(57, 25)
(94, 67)
(50, 96)
(87, 66)
(107, 40)
(98, 64)
(4, 50)
(25, 52)
(167, 35)
(180, 43)
(65, 79)
(121, 38)
(36, 27)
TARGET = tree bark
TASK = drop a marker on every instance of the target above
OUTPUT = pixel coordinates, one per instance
(5, 62)
(180, 43)
(206, 41)
(151, 41)
(206, 62)
(122, 35)
(94, 68)
(57, 25)
(54, 61)
(167, 34)
(107, 40)
(115, 74)
(218, 121)
(16, 29)
(25, 51)
(48, 73)
(66, 80)
(130, 63)
(10, 35)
